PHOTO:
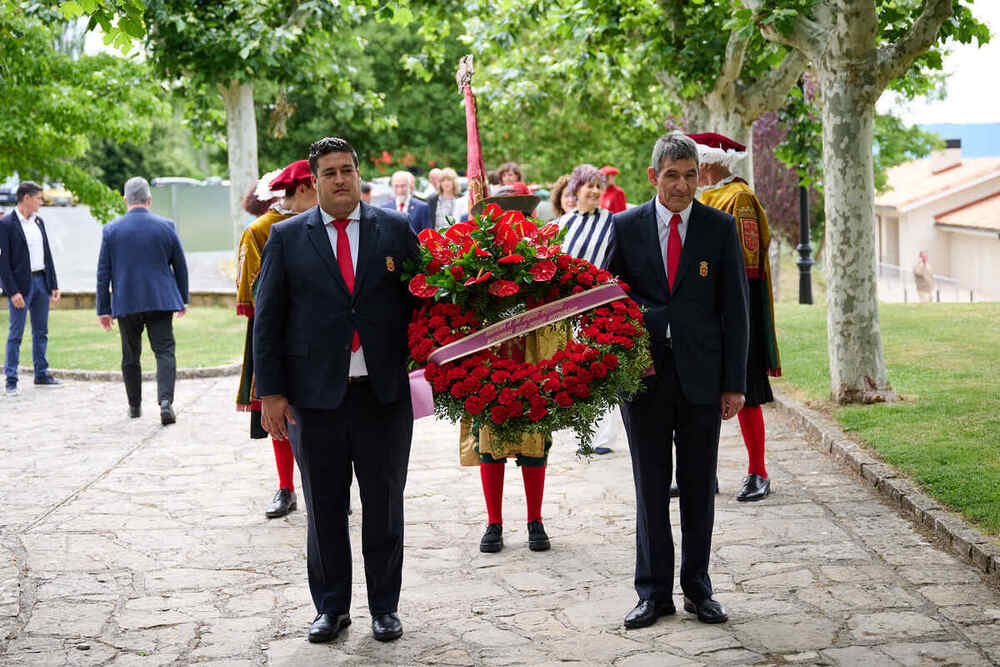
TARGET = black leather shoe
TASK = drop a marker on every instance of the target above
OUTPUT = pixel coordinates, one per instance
(537, 539)
(755, 487)
(135, 411)
(167, 413)
(326, 627)
(708, 610)
(674, 491)
(647, 611)
(283, 503)
(492, 541)
(47, 381)
(387, 627)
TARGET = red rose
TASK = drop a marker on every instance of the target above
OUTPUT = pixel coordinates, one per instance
(552, 385)
(511, 259)
(420, 288)
(577, 289)
(515, 409)
(598, 370)
(474, 405)
(502, 288)
(488, 393)
(580, 391)
(458, 390)
(434, 266)
(543, 271)
(527, 390)
(610, 360)
(585, 279)
(507, 396)
(500, 376)
(457, 272)
(563, 261)
(563, 399)
(537, 413)
(498, 413)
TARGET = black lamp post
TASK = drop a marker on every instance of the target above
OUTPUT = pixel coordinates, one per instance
(804, 261)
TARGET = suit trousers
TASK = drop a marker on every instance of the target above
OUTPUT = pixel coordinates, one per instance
(659, 417)
(159, 325)
(376, 438)
(36, 303)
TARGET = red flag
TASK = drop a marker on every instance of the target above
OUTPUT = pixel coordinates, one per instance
(475, 171)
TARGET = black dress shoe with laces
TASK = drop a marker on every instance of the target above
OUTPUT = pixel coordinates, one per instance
(167, 413)
(326, 627)
(755, 487)
(283, 503)
(647, 611)
(134, 411)
(537, 539)
(708, 610)
(492, 541)
(387, 627)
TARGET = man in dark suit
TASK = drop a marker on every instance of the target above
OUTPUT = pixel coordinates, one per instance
(28, 278)
(404, 202)
(684, 264)
(143, 263)
(330, 351)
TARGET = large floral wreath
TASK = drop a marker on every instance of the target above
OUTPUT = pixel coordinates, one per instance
(494, 267)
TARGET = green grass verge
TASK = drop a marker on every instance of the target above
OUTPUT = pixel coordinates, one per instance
(944, 359)
(205, 336)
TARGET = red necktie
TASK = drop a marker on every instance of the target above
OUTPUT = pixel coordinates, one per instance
(402, 206)
(673, 249)
(346, 266)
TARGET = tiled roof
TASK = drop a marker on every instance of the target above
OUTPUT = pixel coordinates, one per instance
(913, 181)
(981, 214)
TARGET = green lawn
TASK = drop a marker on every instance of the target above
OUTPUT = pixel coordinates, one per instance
(205, 336)
(944, 359)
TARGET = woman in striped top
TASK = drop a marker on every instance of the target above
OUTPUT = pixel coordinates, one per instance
(589, 225)
(587, 237)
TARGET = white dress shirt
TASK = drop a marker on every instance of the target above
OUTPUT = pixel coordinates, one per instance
(358, 367)
(663, 216)
(36, 246)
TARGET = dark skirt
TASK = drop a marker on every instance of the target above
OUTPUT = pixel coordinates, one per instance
(758, 384)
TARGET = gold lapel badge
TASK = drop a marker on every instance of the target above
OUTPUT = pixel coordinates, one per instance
(703, 269)
(390, 264)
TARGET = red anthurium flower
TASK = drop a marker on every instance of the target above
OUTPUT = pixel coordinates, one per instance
(511, 259)
(493, 211)
(543, 271)
(480, 252)
(526, 228)
(478, 279)
(457, 272)
(512, 218)
(459, 232)
(548, 232)
(503, 288)
(506, 237)
(426, 235)
(419, 287)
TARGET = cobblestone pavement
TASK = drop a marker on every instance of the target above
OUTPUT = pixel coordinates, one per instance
(127, 543)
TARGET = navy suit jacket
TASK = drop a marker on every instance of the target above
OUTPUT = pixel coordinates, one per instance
(418, 212)
(143, 263)
(15, 264)
(707, 309)
(305, 316)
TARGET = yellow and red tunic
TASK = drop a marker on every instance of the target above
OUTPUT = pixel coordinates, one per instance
(247, 267)
(735, 197)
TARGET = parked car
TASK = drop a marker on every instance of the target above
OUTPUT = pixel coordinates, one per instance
(55, 194)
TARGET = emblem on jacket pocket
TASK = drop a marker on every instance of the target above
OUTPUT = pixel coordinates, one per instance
(390, 264)
(703, 269)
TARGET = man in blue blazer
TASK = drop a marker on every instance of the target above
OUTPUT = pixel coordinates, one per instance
(330, 353)
(684, 264)
(404, 202)
(28, 278)
(143, 263)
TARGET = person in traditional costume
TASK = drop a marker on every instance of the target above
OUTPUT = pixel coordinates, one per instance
(588, 234)
(722, 189)
(278, 195)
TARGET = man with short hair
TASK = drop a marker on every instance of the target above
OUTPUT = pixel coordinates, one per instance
(923, 276)
(330, 354)
(613, 197)
(366, 192)
(683, 263)
(28, 278)
(142, 261)
(404, 202)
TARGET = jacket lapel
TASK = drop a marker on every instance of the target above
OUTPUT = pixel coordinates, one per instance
(367, 244)
(317, 233)
(651, 242)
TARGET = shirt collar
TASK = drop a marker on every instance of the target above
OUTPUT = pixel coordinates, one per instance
(663, 214)
(33, 218)
(354, 216)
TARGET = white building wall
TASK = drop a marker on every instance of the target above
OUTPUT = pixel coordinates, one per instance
(975, 261)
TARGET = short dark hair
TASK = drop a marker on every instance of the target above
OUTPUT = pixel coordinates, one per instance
(366, 187)
(328, 145)
(27, 189)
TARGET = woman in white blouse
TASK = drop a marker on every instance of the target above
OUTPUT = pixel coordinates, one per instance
(447, 202)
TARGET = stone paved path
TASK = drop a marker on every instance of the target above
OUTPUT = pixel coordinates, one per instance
(126, 543)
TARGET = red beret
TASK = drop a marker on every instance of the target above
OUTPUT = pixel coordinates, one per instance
(715, 148)
(295, 173)
(716, 140)
(608, 170)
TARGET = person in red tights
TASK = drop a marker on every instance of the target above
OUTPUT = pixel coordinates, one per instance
(277, 196)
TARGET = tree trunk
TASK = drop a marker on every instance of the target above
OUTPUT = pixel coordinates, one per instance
(241, 140)
(857, 367)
